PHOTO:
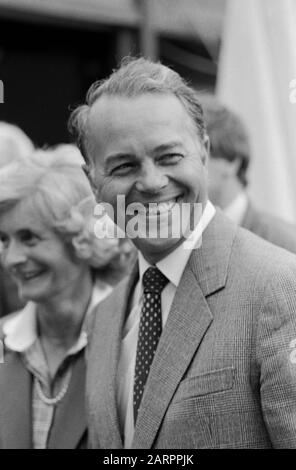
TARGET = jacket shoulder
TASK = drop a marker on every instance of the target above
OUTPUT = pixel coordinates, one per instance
(254, 253)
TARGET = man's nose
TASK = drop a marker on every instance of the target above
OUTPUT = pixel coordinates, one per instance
(14, 255)
(152, 179)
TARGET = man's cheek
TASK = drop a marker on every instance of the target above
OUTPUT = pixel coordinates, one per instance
(109, 195)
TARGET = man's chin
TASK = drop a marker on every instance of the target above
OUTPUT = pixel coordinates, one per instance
(154, 249)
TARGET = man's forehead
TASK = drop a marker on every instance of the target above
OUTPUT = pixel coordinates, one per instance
(114, 112)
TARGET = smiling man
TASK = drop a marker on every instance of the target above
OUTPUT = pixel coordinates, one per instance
(195, 348)
(165, 157)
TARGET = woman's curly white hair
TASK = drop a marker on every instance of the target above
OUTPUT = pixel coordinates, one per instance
(54, 183)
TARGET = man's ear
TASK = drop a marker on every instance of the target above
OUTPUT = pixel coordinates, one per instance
(207, 143)
(205, 150)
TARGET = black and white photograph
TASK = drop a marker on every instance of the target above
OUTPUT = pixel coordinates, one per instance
(148, 229)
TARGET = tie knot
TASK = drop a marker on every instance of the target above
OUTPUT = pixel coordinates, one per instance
(154, 281)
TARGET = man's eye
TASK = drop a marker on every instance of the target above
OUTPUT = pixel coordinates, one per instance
(170, 158)
(122, 169)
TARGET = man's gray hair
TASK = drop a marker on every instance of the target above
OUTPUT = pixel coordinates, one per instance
(134, 77)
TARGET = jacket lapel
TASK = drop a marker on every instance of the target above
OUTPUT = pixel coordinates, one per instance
(102, 372)
(187, 323)
(70, 420)
(15, 412)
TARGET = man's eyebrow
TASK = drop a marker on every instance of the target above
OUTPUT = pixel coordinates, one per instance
(168, 146)
(117, 158)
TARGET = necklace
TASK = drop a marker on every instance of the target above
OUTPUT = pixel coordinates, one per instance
(58, 397)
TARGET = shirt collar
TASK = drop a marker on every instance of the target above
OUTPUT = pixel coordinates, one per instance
(173, 265)
(20, 332)
(237, 208)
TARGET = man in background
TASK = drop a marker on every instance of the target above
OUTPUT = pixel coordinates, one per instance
(228, 167)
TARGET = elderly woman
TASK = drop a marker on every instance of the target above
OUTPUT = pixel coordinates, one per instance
(61, 270)
(14, 145)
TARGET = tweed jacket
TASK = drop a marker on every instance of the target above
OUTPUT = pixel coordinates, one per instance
(224, 372)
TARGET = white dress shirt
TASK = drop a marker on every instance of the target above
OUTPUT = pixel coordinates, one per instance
(237, 208)
(172, 266)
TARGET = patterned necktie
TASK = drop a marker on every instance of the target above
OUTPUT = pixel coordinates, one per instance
(149, 330)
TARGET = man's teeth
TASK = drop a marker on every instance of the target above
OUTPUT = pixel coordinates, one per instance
(161, 207)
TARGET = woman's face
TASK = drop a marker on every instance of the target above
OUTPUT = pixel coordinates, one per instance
(37, 258)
